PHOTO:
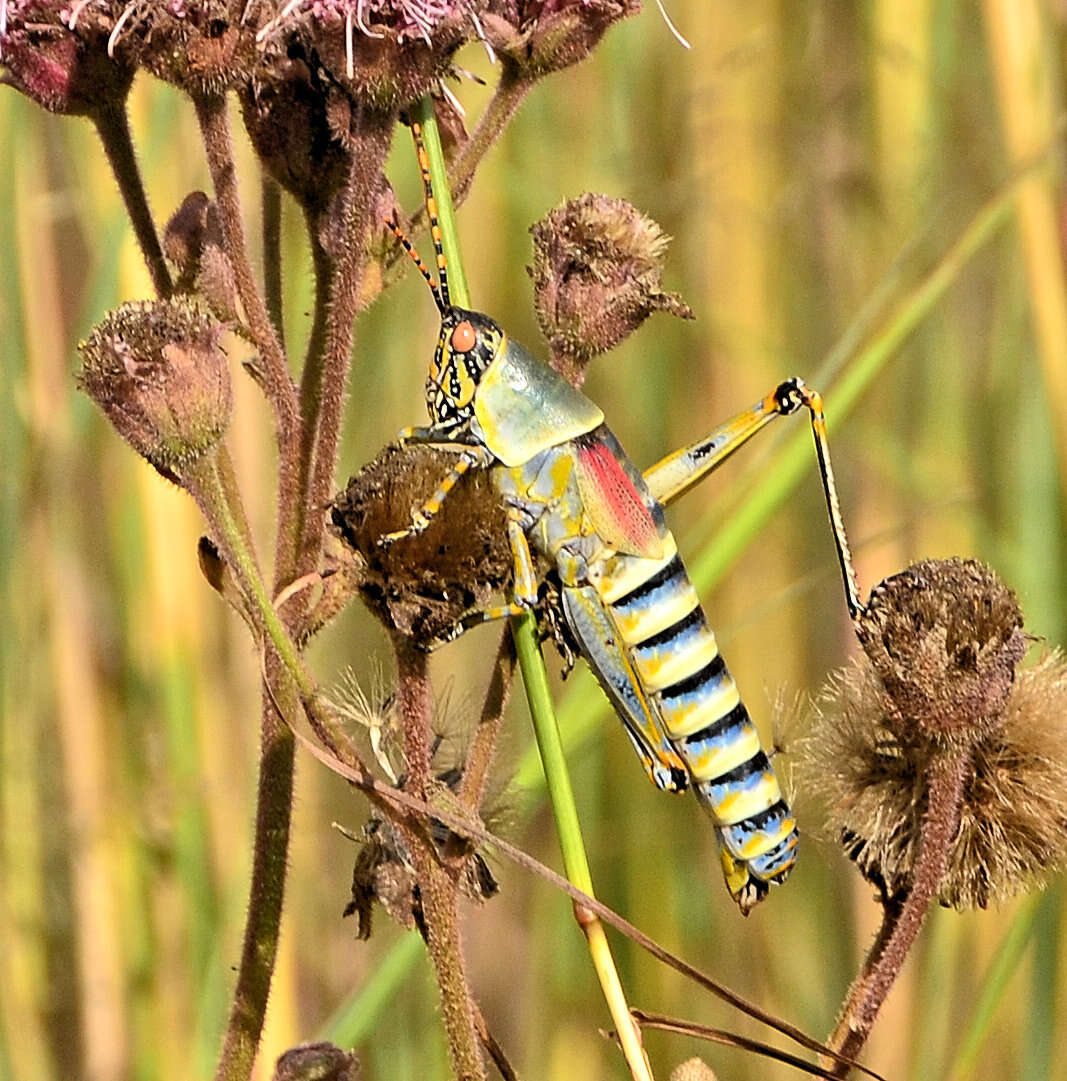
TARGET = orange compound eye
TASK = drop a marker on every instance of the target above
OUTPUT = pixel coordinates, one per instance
(464, 337)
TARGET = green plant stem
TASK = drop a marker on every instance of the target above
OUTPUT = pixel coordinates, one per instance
(113, 127)
(554, 762)
(535, 676)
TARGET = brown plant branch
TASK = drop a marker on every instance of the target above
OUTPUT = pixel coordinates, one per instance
(509, 94)
(383, 795)
(274, 373)
(259, 951)
(113, 127)
(325, 376)
(945, 776)
(271, 196)
(438, 887)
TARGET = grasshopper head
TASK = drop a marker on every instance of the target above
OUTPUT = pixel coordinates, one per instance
(467, 345)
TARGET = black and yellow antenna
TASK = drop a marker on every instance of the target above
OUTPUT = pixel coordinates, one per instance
(440, 292)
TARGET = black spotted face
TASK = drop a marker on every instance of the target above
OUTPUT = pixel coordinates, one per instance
(467, 345)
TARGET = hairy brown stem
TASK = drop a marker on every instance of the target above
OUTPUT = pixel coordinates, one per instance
(113, 127)
(274, 798)
(510, 93)
(271, 196)
(274, 373)
(437, 887)
(326, 374)
(945, 779)
(277, 746)
(483, 745)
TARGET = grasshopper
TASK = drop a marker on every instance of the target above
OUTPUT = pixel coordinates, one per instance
(577, 505)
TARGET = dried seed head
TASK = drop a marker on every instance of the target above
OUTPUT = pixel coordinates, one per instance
(158, 372)
(537, 37)
(944, 636)
(422, 585)
(384, 871)
(597, 271)
(62, 63)
(871, 768)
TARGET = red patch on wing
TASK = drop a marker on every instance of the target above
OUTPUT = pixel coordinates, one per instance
(614, 504)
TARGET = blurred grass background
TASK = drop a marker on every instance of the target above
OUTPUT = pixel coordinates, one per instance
(814, 162)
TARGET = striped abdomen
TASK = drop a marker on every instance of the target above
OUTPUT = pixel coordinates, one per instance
(658, 617)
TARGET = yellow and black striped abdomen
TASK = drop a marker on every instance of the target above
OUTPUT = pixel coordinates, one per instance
(675, 656)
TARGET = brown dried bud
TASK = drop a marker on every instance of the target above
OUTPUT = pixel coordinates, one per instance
(383, 871)
(597, 271)
(944, 636)
(299, 122)
(64, 68)
(537, 37)
(872, 767)
(423, 585)
(316, 1062)
(193, 242)
(160, 375)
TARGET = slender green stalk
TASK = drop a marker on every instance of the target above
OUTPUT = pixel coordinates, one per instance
(994, 985)
(535, 675)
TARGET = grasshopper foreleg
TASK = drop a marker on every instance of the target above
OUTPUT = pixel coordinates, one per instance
(421, 518)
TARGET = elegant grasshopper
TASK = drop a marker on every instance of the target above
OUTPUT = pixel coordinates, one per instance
(577, 506)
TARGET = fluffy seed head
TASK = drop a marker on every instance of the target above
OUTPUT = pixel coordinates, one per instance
(932, 635)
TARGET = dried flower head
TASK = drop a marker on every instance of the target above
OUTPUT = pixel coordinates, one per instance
(423, 585)
(62, 62)
(160, 375)
(597, 272)
(207, 47)
(299, 121)
(387, 53)
(944, 637)
(869, 759)
(537, 37)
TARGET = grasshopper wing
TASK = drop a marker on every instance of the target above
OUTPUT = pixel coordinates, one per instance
(614, 496)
